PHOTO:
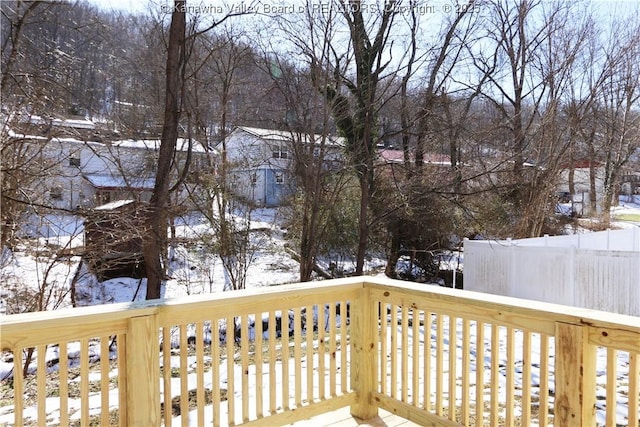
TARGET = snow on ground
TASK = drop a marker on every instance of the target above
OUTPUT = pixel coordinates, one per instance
(629, 202)
(629, 206)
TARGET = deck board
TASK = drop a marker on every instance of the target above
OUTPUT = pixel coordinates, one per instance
(343, 418)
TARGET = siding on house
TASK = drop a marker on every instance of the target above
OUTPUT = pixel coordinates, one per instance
(83, 173)
(261, 160)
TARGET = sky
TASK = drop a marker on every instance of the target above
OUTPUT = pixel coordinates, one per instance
(124, 5)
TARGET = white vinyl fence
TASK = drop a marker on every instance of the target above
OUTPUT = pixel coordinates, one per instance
(599, 270)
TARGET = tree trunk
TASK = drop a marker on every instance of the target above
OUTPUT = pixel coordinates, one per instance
(593, 196)
(155, 236)
(393, 253)
(306, 262)
(363, 223)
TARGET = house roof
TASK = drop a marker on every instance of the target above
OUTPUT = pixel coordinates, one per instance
(287, 136)
(75, 123)
(182, 144)
(397, 156)
(119, 182)
(113, 205)
(580, 164)
(77, 141)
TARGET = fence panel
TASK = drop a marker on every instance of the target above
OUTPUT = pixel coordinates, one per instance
(539, 274)
(608, 281)
(598, 279)
(487, 267)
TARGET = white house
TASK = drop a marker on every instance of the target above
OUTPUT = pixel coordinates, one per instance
(581, 196)
(133, 168)
(261, 161)
(56, 168)
(71, 170)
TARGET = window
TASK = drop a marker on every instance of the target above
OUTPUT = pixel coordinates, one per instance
(151, 164)
(55, 193)
(279, 178)
(280, 152)
(74, 161)
(103, 197)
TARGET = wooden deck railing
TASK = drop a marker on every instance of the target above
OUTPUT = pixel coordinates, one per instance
(276, 355)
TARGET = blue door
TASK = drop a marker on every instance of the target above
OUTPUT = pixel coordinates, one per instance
(276, 188)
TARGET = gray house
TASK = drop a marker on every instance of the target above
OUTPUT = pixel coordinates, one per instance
(261, 162)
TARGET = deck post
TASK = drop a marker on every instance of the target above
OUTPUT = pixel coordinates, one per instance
(575, 376)
(364, 327)
(142, 372)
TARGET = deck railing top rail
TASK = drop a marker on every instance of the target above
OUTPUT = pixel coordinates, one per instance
(547, 312)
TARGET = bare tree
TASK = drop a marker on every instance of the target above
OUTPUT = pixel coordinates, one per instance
(179, 47)
(534, 52)
(155, 237)
(447, 53)
(617, 118)
(319, 173)
(356, 119)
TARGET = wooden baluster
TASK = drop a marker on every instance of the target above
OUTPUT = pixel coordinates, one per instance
(142, 369)
(466, 369)
(479, 373)
(415, 346)
(244, 360)
(575, 376)
(104, 380)
(63, 366)
(184, 377)
(543, 393)
(166, 376)
(297, 354)
(453, 360)
(84, 382)
(404, 358)
(364, 331)
(259, 330)
(41, 387)
(634, 388)
(200, 399)
(215, 371)
(612, 386)
(526, 378)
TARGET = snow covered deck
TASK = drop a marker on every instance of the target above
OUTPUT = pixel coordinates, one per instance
(293, 353)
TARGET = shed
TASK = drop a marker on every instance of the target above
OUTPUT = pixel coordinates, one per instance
(113, 242)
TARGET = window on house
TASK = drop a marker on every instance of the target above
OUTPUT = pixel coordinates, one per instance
(280, 152)
(55, 193)
(279, 178)
(151, 164)
(103, 197)
(74, 161)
